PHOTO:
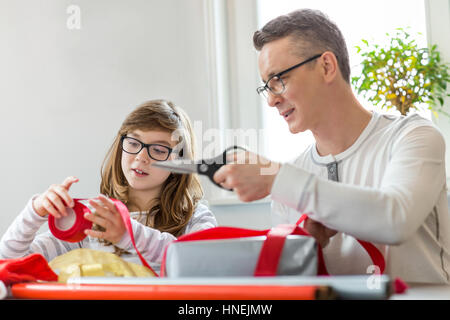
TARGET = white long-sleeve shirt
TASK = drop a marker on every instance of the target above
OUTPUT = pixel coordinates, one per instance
(21, 237)
(391, 191)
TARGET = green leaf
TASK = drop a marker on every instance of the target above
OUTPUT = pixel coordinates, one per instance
(403, 68)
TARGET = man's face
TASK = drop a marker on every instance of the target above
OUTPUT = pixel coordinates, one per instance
(298, 103)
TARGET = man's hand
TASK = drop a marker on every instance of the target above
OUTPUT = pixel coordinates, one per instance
(250, 176)
(321, 233)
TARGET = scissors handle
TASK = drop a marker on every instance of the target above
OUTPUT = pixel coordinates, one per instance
(209, 170)
(209, 167)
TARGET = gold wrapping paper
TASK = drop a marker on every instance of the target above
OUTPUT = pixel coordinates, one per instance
(95, 263)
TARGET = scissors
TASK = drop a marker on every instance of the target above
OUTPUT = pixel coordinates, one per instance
(206, 167)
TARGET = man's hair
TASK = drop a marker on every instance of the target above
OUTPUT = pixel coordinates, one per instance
(311, 32)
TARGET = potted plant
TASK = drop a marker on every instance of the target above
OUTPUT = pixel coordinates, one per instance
(402, 75)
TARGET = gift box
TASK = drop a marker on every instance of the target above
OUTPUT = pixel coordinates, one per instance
(285, 249)
(238, 257)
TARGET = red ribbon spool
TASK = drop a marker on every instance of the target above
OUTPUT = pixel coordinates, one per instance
(71, 228)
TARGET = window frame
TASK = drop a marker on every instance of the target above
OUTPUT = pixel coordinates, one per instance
(233, 77)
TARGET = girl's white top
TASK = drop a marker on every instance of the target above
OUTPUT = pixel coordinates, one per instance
(21, 238)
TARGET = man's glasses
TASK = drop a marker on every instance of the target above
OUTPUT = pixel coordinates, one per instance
(157, 152)
(275, 85)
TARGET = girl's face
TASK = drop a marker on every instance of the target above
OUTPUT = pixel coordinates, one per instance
(144, 180)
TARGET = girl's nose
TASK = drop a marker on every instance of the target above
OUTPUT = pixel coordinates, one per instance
(143, 156)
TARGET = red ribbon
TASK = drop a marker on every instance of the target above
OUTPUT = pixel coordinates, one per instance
(76, 232)
(270, 253)
(374, 253)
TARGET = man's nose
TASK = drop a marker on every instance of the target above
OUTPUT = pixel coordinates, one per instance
(274, 100)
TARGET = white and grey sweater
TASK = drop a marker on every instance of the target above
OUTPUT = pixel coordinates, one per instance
(22, 237)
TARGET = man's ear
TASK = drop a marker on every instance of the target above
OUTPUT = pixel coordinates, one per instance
(329, 66)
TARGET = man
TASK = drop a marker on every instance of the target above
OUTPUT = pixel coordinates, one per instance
(368, 176)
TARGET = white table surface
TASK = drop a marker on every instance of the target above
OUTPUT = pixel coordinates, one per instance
(424, 292)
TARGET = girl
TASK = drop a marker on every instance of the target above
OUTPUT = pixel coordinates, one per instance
(162, 205)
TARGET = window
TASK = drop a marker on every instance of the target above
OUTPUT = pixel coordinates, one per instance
(356, 22)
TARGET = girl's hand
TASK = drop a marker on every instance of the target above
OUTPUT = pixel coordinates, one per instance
(106, 216)
(55, 200)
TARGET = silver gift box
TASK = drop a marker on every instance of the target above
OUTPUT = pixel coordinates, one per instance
(238, 257)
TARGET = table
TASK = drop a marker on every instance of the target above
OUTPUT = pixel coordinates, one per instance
(420, 291)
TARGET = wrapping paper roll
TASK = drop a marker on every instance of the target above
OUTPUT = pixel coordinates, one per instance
(3, 291)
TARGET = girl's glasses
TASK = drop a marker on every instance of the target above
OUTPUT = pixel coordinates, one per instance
(157, 152)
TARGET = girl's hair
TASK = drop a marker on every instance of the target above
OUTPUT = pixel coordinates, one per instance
(180, 192)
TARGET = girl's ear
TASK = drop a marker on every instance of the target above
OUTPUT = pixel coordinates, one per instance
(181, 153)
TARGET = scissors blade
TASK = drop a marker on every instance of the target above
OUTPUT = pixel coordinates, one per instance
(177, 166)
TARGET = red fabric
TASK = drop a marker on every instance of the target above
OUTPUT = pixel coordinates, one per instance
(30, 268)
